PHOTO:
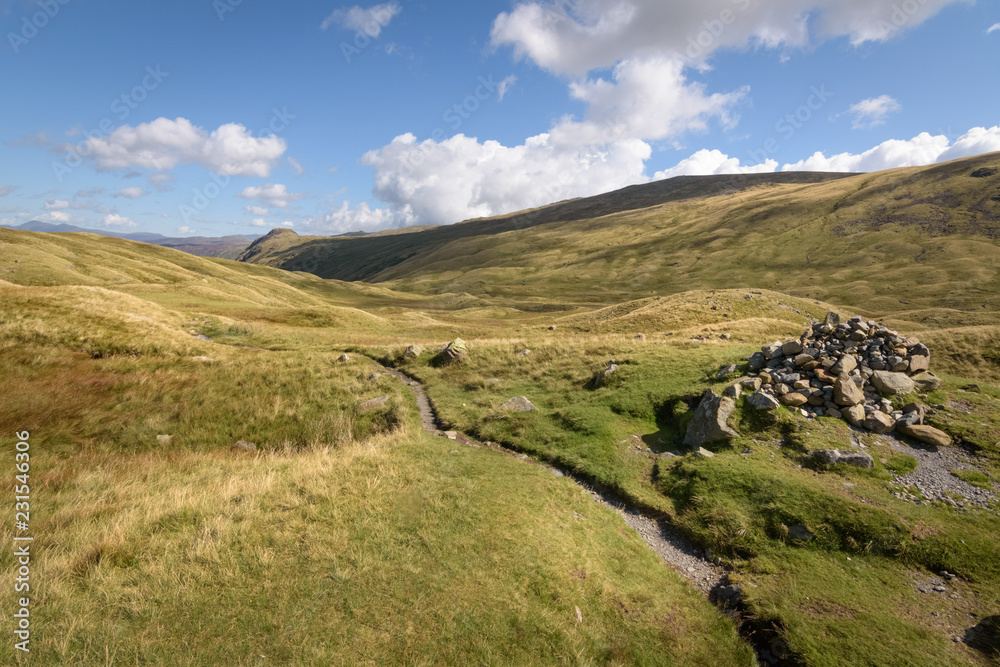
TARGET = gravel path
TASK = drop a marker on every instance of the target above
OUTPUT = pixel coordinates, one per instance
(933, 478)
(659, 535)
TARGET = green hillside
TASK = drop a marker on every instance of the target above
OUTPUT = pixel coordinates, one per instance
(920, 241)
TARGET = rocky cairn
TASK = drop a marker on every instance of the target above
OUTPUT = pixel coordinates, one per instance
(845, 370)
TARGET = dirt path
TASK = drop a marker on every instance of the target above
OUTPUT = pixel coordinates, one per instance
(658, 534)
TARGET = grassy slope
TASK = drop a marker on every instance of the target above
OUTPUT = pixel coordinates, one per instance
(351, 539)
(831, 609)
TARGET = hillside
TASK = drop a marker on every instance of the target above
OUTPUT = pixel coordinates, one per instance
(228, 247)
(922, 241)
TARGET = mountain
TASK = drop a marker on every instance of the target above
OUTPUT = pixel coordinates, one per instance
(227, 247)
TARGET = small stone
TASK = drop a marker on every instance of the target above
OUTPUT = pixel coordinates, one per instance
(703, 453)
(762, 401)
(164, 439)
(726, 372)
(343, 358)
(794, 400)
(244, 446)
(372, 404)
(412, 352)
(524, 353)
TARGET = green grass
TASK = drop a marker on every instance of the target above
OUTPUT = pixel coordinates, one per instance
(901, 464)
(975, 478)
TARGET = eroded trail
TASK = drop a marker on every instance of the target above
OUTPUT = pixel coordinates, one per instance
(663, 538)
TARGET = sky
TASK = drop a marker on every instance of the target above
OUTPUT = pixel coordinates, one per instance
(218, 117)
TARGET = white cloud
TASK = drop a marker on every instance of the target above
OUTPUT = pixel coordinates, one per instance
(923, 149)
(115, 220)
(333, 170)
(993, 28)
(459, 178)
(505, 85)
(873, 112)
(131, 193)
(369, 21)
(298, 168)
(573, 38)
(274, 195)
(7, 189)
(162, 144)
(361, 218)
(55, 217)
(56, 205)
(706, 162)
(258, 222)
(185, 230)
(256, 210)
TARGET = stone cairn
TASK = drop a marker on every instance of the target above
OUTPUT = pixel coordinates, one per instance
(845, 370)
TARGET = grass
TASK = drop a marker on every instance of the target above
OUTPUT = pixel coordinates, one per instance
(349, 537)
(976, 478)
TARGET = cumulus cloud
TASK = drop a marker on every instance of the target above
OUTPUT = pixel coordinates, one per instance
(56, 205)
(7, 189)
(707, 162)
(185, 230)
(131, 193)
(162, 144)
(274, 195)
(873, 112)
(115, 220)
(573, 38)
(923, 149)
(361, 218)
(370, 21)
(256, 210)
(55, 217)
(257, 222)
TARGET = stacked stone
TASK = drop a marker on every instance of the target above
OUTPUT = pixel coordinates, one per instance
(845, 370)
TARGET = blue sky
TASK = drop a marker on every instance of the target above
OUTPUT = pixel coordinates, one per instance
(215, 117)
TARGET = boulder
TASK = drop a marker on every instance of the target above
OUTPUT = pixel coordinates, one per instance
(709, 423)
(518, 404)
(825, 377)
(762, 401)
(846, 364)
(854, 414)
(757, 361)
(412, 352)
(918, 364)
(772, 351)
(846, 392)
(453, 352)
(878, 422)
(794, 400)
(831, 320)
(726, 372)
(602, 378)
(842, 456)
(892, 384)
(925, 434)
(791, 348)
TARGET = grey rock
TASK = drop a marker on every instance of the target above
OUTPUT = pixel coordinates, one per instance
(762, 401)
(602, 378)
(164, 439)
(879, 422)
(244, 446)
(757, 361)
(709, 423)
(846, 392)
(892, 384)
(372, 404)
(703, 453)
(453, 352)
(412, 352)
(524, 353)
(791, 348)
(846, 364)
(518, 404)
(843, 456)
(726, 372)
(772, 351)
(800, 532)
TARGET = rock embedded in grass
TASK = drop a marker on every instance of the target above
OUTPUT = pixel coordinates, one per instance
(372, 404)
(518, 404)
(453, 352)
(710, 421)
(412, 352)
(244, 446)
(843, 456)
